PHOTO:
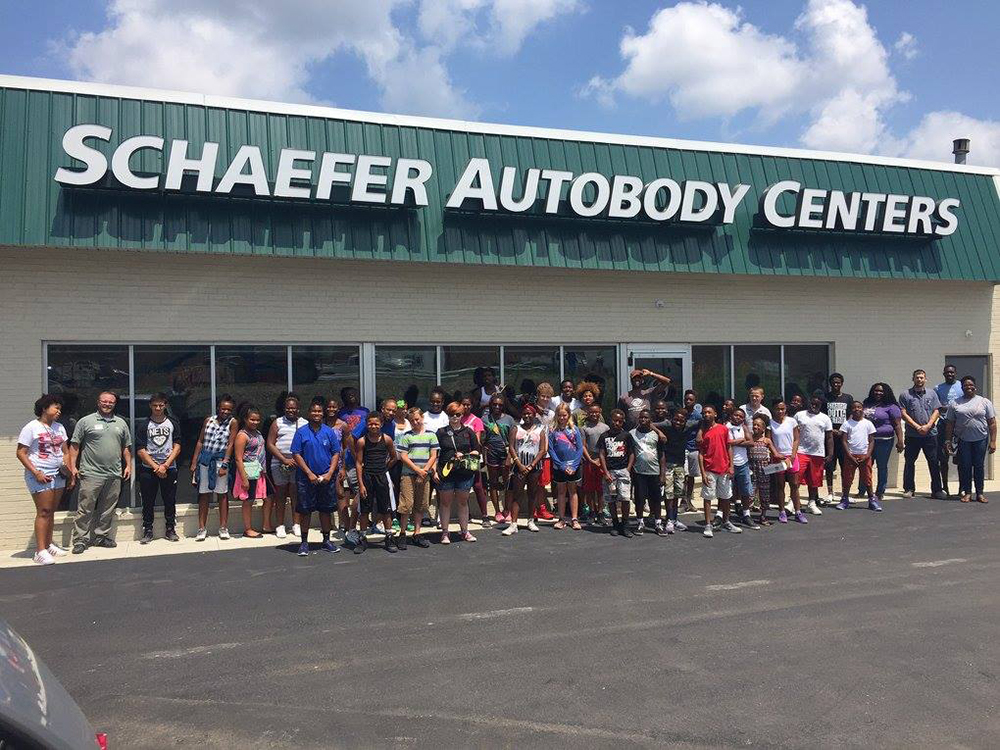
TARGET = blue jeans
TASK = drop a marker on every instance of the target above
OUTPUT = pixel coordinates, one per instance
(883, 449)
(971, 463)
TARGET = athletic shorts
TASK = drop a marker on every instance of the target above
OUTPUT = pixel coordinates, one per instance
(692, 467)
(593, 478)
(414, 493)
(451, 483)
(812, 470)
(57, 481)
(716, 486)
(792, 474)
(321, 498)
(561, 477)
(352, 481)
(646, 487)
(495, 458)
(743, 480)
(280, 477)
(379, 494)
(619, 489)
(545, 478)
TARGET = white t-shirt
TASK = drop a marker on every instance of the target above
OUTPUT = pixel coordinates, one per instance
(286, 431)
(783, 435)
(857, 435)
(573, 403)
(812, 432)
(434, 422)
(44, 445)
(751, 414)
(739, 452)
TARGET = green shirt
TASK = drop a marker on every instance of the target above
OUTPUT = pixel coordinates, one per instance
(418, 447)
(101, 442)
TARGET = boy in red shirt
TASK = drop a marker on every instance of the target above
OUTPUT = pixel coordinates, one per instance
(715, 459)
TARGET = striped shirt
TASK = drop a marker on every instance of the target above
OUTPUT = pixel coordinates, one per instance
(417, 446)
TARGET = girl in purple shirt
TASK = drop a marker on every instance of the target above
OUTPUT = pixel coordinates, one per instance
(882, 410)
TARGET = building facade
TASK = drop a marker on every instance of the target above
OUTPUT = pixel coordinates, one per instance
(158, 241)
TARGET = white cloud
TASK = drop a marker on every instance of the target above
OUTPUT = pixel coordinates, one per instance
(906, 46)
(708, 61)
(417, 82)
(497, 25)
(932, 137)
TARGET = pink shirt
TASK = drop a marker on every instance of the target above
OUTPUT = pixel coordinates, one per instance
(474, 423)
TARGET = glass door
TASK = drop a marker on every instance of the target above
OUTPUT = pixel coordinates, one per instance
(672, 360)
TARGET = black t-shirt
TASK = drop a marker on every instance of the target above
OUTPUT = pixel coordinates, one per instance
(157, 438)
(674, 450)
(463, 440)
(616, 446)
(838, 408)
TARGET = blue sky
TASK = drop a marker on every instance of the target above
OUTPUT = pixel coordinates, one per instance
(884, 77)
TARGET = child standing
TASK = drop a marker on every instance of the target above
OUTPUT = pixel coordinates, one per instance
(617, 456)
(647, 473)
(715, 460)
(249, 450)
(761, 452)
(674, 460)
(528, 446)
(593, 476)
(417, 451)
(374, 455)
(858, 439)
(566, 452)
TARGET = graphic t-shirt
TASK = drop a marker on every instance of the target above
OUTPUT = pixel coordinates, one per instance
(675, 448)
(527, 442)
(715, 448)
(497, 433)
(737, 432)
(812, 432)
(44, 444)
(783, 435)
(947, 395)
(434, 422)
(838, 407)
(857, 435)
(617, 446)
(884, 417)
(351, 417)
(647, 451)
(417, 446)
(633, 405)
(592, 437)
(158, 438)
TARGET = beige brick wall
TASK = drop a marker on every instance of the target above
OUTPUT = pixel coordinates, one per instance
(880, 329)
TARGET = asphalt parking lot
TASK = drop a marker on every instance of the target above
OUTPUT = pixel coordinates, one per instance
(858, 630)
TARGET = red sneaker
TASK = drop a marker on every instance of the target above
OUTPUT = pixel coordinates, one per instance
(544, 514)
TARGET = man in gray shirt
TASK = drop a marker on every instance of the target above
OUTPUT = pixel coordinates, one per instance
(100, 456)
(920, 406)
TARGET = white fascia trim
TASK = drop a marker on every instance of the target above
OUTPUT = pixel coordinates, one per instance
(434, 123)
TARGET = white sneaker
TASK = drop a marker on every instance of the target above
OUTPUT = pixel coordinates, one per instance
(832, 499)
(280, 532)
(731, 527)
(680, 526)
(813, 508)
(510, 530)
(201, 536)
(296, 530)
(532, 526)
(708, 531)
(223, 533)
(44, 558)
(789, 508)
(670, 527)
(55, 550)
(378, 528)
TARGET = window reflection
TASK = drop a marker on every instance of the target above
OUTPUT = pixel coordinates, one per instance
(324, 370)
(597, 364)
(710, 373)
(806, 369)
(757, 365)
(251, 374)
(459, 365)
(405, 372)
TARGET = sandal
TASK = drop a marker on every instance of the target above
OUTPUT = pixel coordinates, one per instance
(560, 524)
(446, 538)
(981, 499)
(763, 521)
(576, 525)
(965, 499)
(251, 534)
(467, 537)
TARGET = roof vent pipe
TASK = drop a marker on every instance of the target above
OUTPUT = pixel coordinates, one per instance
(960, 150)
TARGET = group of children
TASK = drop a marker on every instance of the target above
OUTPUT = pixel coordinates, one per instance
(380, 471)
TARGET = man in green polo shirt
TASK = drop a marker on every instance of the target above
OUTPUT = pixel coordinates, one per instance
(100, 456)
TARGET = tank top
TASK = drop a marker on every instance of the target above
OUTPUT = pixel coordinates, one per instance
(286, 431)
(376, 456)
(254, 450)
(216, 435)
(759, 455)
(527, 443)
(484, 397)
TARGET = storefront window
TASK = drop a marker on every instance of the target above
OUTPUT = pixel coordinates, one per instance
(597, 364)
(711, 374)
(459, 365)
(324, 370)
(806, 369)
(252, 374)
(757, 365)
(538, 364)
(184, 374)
(79, 374)
(405, 372)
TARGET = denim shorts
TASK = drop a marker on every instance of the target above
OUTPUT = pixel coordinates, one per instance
(742, 480)
(58, 482)
(452, 484)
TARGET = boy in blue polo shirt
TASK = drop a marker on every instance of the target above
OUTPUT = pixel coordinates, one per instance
(316, 450)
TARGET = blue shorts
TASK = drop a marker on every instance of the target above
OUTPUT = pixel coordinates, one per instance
(451, 484)
(58, 481)
(315, 497)
(742, 480)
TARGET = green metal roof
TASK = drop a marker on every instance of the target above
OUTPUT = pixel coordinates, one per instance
(35, 210)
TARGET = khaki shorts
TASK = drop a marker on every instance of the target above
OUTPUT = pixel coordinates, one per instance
(414, 494)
